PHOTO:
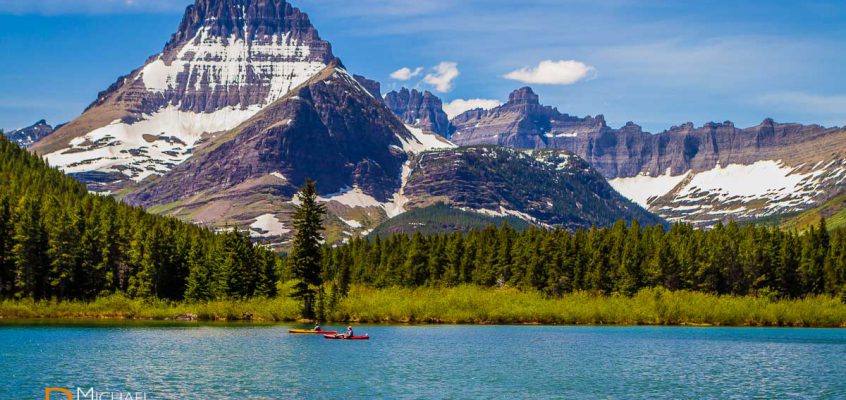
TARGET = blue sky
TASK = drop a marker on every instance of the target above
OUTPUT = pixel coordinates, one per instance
(657, 63)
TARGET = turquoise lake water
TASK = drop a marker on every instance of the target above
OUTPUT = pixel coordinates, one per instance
(172, 361)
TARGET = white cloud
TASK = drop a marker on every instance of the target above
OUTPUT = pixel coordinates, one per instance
(458, 106)
(442, 76)
(565, 72)
(405, 73)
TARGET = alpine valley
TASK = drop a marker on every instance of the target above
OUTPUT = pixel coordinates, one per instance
(246, 101)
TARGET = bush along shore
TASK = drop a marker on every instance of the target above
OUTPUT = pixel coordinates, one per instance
(466, 305)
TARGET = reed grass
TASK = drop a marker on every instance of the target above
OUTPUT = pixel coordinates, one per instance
(470, 305)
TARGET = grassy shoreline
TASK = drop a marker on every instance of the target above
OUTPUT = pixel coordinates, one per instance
(467, 305)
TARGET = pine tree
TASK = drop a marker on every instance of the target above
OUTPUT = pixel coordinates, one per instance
(199, 282)
(30, 250)
(305, 255)
(6, 261)
(268, 275)
(416, 262)
(63, 252)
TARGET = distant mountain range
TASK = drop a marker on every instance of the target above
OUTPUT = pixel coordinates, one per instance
(246, 101)
(700, 175)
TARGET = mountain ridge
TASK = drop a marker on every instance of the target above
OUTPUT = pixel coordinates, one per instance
(680, 173)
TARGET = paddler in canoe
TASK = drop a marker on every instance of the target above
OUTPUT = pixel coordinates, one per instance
(317, 330)
(347, 336)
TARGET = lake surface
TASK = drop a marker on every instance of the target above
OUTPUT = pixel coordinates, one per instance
(173, 361)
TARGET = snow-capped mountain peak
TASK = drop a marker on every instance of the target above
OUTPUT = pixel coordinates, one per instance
(227, 61)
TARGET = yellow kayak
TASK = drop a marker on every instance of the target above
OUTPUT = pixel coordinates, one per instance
(311, 332)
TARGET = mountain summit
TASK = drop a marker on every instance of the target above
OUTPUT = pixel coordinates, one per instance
(422, 110)
(227, 61)
(522, 122)
(25, 137)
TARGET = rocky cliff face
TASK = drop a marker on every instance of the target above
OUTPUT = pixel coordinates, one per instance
(26, 137)
(227, 61)
(701, 175)
(422, 110)
(522, 122)
(330, 129)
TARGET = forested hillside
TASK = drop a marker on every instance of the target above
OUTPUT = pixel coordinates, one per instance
(58, 241)
(750, 260)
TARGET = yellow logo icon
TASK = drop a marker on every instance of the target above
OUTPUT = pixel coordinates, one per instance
(64, 391)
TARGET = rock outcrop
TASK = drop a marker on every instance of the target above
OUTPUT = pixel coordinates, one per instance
(421, 110)
(26, 137)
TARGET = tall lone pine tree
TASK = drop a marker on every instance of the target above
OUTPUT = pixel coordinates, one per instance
(306, 260)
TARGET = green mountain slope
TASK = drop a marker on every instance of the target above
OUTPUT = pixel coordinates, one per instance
(441, 218)
(543, 187)
(834, 212)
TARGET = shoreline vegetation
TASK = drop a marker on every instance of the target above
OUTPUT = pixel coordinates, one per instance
(69, 254)
(465, 305)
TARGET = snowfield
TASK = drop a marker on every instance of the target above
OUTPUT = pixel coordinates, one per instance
(642, 188)
(281, 64)
(762, 188)
(267, 225)
(150, 146)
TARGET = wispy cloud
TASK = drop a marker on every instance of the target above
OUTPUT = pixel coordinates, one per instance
(565, 72)
(442, 76)
(459, 106)
(405, 73)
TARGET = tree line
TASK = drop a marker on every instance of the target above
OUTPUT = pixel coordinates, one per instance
(59, 242)
(622, 259)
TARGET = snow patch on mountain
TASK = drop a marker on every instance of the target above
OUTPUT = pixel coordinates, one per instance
(423, 141)
(762, 188)
(152, 145)
(233, 62)
(352, 197)
(502, 212)
(771, 179)
(351, 223)
(357, 198)
(642, 189)
(267, 225)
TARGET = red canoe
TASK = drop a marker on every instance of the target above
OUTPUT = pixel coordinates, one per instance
(341, 337)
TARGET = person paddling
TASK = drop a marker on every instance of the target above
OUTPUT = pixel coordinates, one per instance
(349, 332)
(317, 327)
